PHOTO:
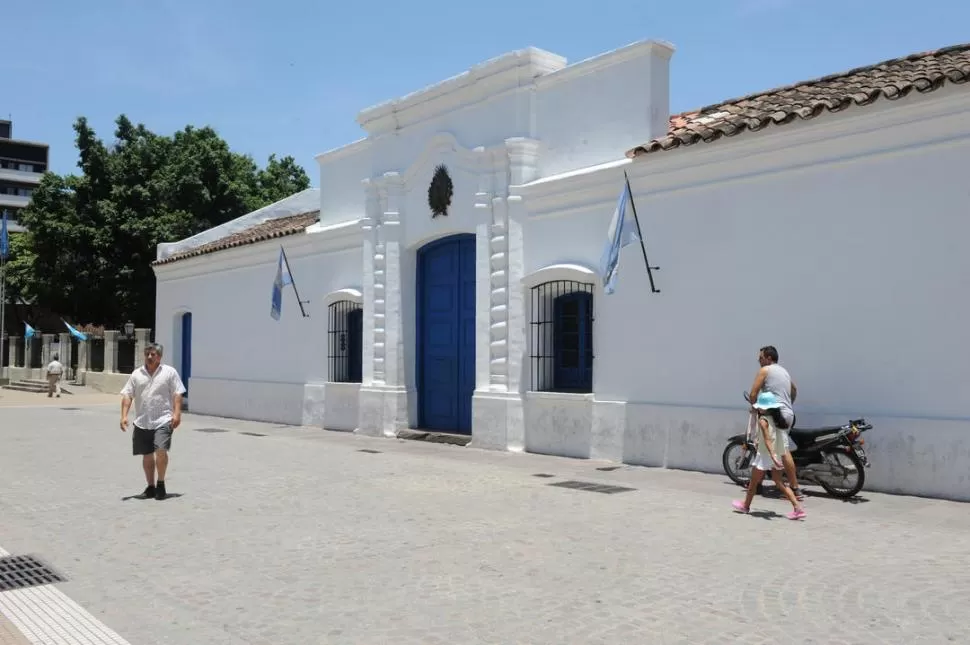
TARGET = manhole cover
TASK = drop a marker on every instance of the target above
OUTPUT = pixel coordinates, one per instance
(543, 475)
(19, 571)
(591, 487)
(253, 434)
(210, 430)
(368, 450)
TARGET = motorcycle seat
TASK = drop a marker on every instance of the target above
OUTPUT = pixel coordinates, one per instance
(811, 433)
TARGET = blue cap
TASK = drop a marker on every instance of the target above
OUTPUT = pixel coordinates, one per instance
(767, 401)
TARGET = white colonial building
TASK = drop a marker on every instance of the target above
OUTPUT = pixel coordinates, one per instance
(449, 264)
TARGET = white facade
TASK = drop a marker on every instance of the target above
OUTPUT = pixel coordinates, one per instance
(839, 240)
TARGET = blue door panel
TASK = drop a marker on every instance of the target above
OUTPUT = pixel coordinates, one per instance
(446, 334)
(186, 351)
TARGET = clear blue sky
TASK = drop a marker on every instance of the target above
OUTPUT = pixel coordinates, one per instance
(289, 76)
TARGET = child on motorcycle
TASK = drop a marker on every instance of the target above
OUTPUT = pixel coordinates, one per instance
(770, 443)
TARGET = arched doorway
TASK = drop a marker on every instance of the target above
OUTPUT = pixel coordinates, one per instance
(446, 334)
(186, 354)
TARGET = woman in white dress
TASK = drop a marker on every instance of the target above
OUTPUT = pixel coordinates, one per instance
(771, 447)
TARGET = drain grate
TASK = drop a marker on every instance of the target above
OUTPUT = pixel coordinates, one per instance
(253, 434)
(19, 571)
(70, 409)
(593, 488)
(546, 475)
(607, 469)
(210, 430)
(368, 450)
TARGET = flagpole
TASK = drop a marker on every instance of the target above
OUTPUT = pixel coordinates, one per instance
(3, 313)
(293, 282)
(643, 248)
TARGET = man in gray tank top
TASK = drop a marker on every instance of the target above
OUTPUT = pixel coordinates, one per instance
(774, 378)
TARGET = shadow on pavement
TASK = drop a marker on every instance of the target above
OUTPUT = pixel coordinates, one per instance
(140, 496)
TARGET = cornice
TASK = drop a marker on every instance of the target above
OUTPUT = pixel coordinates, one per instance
(660, 49)
(494, 76)
(342, 152)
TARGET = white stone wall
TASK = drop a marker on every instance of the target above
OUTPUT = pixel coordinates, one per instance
(839, 242)
(244, 363)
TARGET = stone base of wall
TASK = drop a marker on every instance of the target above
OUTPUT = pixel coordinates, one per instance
(107, 382)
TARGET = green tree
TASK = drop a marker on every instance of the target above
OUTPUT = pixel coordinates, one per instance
(92, 237)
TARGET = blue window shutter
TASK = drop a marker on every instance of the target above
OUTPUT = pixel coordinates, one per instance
(355, 345)
(573, 342)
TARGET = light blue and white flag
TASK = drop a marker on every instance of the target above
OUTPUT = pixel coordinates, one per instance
(283, 278)
(80, 335)
(622, 231)
(29, 331)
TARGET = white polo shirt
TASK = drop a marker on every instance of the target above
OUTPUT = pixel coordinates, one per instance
(153, 394)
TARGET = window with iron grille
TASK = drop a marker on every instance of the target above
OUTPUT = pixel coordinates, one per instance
(562, 336)
(346, 333)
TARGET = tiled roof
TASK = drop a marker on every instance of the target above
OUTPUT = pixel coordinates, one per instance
(279, 227)
(892, 79)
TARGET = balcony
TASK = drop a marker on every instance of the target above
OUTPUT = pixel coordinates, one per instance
(13, 201)
(33, 178)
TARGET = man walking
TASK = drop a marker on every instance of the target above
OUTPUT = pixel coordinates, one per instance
(54, 371)
(156, 391)
(774, 378)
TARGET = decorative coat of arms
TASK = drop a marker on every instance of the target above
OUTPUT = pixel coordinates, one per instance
(440, 191)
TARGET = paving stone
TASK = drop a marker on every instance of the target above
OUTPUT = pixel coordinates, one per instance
(298, 537)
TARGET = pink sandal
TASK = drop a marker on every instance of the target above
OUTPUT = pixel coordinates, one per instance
(740, 507)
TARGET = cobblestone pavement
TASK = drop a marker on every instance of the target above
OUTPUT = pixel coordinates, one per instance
(298, 537)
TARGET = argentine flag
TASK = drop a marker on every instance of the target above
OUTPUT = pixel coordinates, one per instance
(29, 331)
(622, 231)
(283, 278)
(80, 335)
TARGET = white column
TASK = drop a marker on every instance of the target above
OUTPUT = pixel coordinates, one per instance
(391, 245)
(46, 350)
(110, 352)
(65, 347)
(143, 336)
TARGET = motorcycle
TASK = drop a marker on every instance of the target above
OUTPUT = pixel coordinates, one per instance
(832, 457)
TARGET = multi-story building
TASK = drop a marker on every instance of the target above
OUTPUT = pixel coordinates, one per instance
(22, 164)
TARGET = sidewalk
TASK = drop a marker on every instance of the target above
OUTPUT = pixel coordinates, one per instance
(80, 396)
(282, 535)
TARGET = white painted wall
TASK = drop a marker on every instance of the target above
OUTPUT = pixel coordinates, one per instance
(841, 244)
(244, 363)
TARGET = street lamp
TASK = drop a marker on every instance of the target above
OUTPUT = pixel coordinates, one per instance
(129, 329)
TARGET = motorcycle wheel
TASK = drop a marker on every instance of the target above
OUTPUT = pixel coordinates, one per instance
(730, 459)
(859, 475)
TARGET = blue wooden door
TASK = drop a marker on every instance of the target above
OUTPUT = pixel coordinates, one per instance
(186, 352)
(446, 334)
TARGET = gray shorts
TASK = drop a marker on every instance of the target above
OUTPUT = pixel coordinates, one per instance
(146, 442)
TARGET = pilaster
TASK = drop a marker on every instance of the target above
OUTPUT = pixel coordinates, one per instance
(65, 345)
(83, 353)
(390, 241)
(523, 157)
(143, 337)
(12, 349)
(368, 225)
(110, 352)
(29, 346)
(47, 350)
